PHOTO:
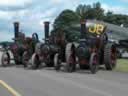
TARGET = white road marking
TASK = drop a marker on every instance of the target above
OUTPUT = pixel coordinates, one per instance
(9, 88)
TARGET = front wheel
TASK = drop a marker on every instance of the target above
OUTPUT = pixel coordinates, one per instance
(35, 61)
(5, 60)
(93, 63)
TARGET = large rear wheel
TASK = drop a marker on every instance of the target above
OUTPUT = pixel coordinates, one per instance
(110, 57)
(70, 58)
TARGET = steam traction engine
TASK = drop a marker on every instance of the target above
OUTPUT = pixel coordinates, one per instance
(19, 47)
(48, 51)
(91, 51)
(44, 52)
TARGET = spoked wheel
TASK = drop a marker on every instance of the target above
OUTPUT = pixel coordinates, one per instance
(93, 63)
(110, 57)
(35, 61)
(57, 62)
(25, 58)
(70, 58)
(5, 60)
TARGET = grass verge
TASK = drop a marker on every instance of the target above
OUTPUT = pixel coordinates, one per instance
(122, 65)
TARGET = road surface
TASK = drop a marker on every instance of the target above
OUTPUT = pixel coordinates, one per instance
(48, 82)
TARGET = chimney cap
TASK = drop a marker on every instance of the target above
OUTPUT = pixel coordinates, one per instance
(16, 23)
(46, 22)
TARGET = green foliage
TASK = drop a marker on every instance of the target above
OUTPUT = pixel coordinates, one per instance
(83, 11)
(98, 11)
(122, 65)
(117, 19)
(65, 19)
(90, 12)
(64, 22)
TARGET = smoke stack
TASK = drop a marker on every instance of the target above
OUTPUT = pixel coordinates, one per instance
(83, 28)
(16, 29)
(46, 29)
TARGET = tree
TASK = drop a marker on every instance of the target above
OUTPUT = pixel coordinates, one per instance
(84, 12)
(65, 19)
(90, 12)
(117, 19)
(64, 22)
(98, 11)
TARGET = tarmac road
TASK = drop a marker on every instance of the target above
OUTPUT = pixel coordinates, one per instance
(48, 82)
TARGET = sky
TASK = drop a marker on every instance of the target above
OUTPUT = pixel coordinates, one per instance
(32, 13)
